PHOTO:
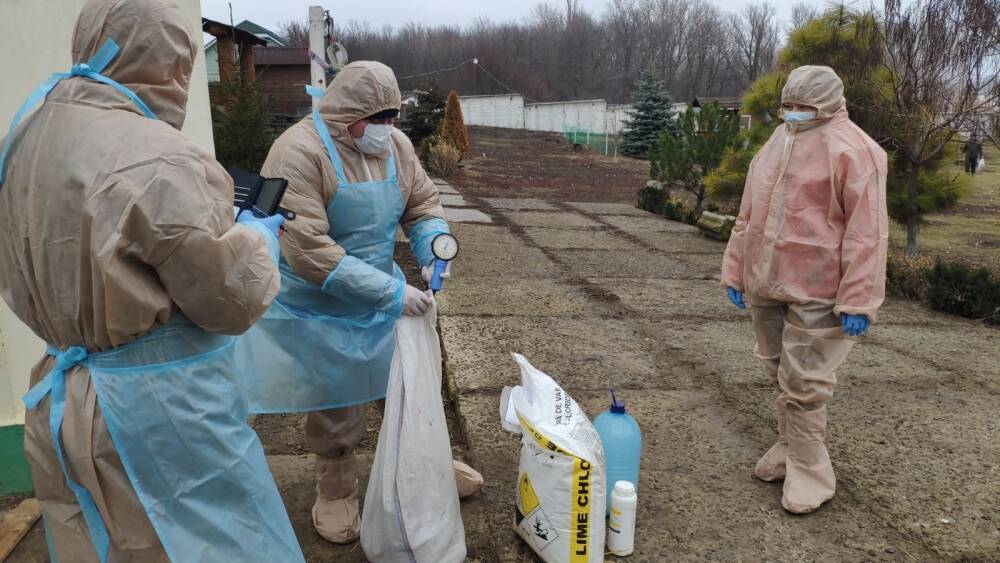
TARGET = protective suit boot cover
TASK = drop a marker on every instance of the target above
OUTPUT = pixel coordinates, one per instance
(467, 479)
(771, 466)
(336, 514)
(809, 478)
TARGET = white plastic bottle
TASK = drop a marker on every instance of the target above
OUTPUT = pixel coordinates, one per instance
(621, 525)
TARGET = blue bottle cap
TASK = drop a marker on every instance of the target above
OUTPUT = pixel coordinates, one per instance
(617, 406)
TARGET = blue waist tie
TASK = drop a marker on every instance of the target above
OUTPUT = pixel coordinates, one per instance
(55, 384)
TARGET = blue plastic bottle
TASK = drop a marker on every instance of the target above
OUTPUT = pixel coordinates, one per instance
(622, 442)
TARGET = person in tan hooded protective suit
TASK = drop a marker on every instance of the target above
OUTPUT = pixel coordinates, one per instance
(809, 252)
(325, 345)
(118, 248)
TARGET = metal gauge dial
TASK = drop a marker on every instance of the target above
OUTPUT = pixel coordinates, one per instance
(445, 247)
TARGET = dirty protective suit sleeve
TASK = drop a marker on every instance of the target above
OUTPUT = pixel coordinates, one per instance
(223, 276)
(866, 237)
(423, 215)
(306, 243)
(732, 262)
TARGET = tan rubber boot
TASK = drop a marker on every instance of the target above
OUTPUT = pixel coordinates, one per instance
(467, 479)
(336, 515)
(771, 466)
(809, 478)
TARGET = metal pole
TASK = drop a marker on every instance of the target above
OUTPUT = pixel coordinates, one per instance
(317, 45)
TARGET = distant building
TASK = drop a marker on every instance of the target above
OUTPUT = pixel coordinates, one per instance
(282, 73)
(245, 32)
(731, 104)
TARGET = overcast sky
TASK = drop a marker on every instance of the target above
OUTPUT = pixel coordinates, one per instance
(270, 13)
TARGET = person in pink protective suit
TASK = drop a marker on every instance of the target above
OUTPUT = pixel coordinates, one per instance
(809, 252)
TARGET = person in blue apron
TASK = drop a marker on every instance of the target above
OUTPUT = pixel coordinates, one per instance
(325, 345)
(118, 248)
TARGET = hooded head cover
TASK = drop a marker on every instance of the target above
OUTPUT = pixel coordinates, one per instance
(816, 86)
(361, 89)
(156, 53)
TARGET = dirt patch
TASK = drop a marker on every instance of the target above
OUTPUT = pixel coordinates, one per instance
(514, 163)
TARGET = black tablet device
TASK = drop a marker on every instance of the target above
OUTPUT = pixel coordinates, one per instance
(262, 196)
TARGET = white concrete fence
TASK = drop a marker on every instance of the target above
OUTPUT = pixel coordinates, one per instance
(511, 111)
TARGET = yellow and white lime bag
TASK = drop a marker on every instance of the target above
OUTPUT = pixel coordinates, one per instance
(560, 482)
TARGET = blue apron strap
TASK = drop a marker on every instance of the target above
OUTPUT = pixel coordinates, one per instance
(324, 135)
(391, 172)
(103, 57)
(91, 69)
(85, 70)
(54, 385)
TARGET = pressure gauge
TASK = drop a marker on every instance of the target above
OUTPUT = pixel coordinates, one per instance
(445, 247)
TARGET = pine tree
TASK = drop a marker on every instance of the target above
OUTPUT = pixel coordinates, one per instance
(684, 158)
(425, 117)
(652, 114)
(452, 129)
(240, 128)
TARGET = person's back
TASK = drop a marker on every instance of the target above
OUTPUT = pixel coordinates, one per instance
(105, 220)
(118, 230)
(87, 250)
(973, 150)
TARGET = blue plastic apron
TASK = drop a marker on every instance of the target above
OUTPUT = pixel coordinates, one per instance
(317, 348)
(176, 413)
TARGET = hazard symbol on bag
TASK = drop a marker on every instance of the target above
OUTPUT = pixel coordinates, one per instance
(541, 530)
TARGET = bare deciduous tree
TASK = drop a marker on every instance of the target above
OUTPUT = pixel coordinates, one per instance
(560, 51)
(295, 33)
(803, 13)
(755, 36)
(942, 60)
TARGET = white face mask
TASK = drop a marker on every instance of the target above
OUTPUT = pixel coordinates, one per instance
(798, 116)
(375, 141)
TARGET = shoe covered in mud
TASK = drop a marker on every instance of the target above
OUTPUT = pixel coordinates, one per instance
(771, 466)
(468, 480)
(336, 515)
(809, 478)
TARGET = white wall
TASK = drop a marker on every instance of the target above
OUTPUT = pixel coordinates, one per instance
(511, 112)
(616, 118)
(36, 43)
(212, 63)
(494, 111)
(561, 116)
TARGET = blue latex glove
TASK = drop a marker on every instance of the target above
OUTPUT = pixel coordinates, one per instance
(736, 297)
(854, 325)
(272, 223)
